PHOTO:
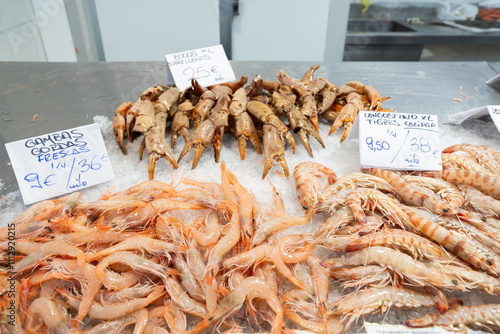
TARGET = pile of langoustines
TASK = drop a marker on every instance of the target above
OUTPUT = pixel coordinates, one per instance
(158, 258)
(249, 113)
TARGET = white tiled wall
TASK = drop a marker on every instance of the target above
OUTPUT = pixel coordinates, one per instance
(54, 29)
(35, 30)
(14, 13)
(148, 30)
(273, 30)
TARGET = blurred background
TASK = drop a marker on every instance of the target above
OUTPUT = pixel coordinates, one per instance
(260, 30)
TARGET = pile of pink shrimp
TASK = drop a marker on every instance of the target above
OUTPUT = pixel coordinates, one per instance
(157, 258)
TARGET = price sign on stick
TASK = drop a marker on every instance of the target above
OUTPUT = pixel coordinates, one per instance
(399, 141)
(494, 112)
(60, 162)
(209, 66)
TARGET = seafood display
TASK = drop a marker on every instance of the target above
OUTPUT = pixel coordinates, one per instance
(191, 256)
(250, 112)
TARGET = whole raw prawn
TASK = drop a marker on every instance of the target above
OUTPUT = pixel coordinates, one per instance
(415, 271)
(372, 300)
(251, 287)
(307, 177)
(405, 240)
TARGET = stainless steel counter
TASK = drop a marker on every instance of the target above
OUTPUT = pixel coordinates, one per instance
(414, 23)
(426, 33)
(66, 95)
(401, 32)
(495, 66)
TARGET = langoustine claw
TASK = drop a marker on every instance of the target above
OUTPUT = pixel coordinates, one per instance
(213, 127)
(154, 142)
(308, 100)
(130, 119)
(180, 123)
(274, 133)
(245, 128)
(297, 121)
(346, 118)
(219, 119)
(156, 148)
(303, 128)
(329, 94)
(203, 107)
(273, 150)
(199, 139)
(281, 104)
(119, 124)
(308, 107)
(309, 75)
(306, 88)
(374, 98)
(149, 94)
(348, 114)
(148, 116)
(256, 90)
(164, 107)
(265, 114)
(287, 80)
(306, 79)
(145, 118)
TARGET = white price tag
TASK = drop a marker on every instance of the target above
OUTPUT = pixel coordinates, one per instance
(399, 141)
(495, 115)
(209, 66)
(60, 162)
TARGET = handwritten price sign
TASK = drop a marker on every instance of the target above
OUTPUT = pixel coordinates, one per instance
(209, 66)
(60, 162)
(494, 112)
(399, 141)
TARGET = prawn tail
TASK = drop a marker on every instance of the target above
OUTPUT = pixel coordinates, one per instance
(181, 248)
(169, 317)
(441, 302)
(155, 294)
(297, 282)
(201, 325)
(171, 271)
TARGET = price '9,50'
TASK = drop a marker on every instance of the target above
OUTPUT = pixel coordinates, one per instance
(378, 145)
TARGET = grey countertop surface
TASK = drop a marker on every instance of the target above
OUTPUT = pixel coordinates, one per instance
(495, 66)
(66, 95)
